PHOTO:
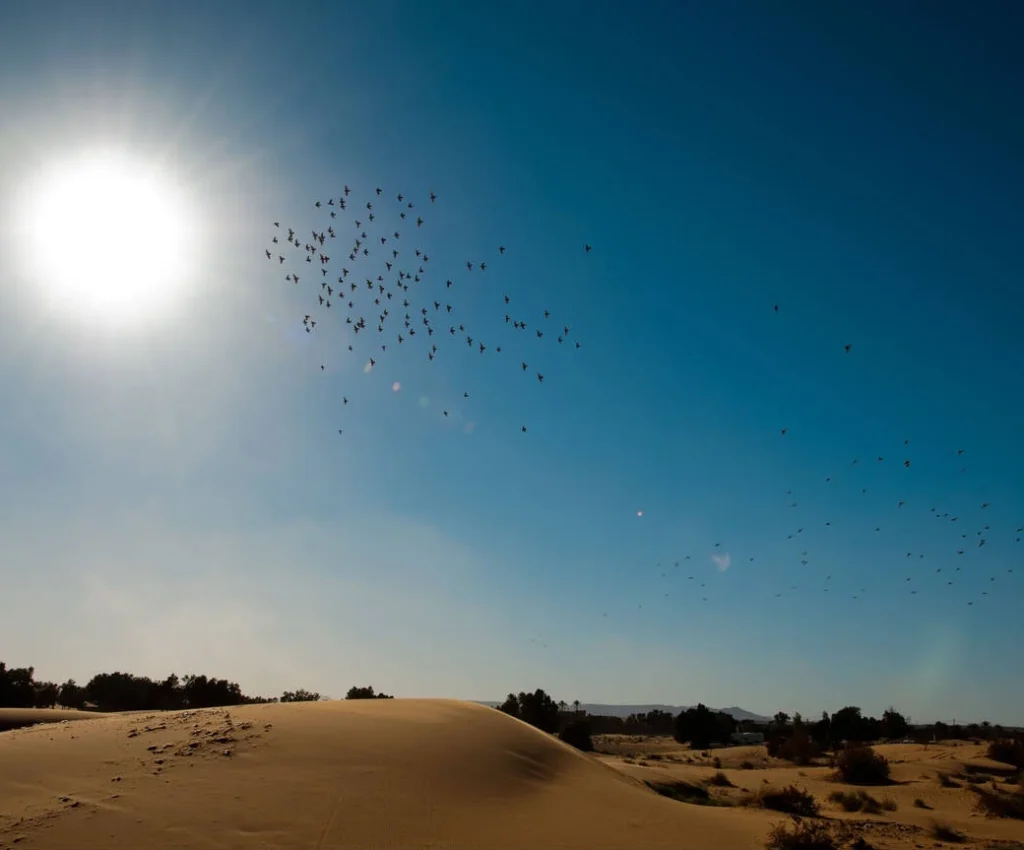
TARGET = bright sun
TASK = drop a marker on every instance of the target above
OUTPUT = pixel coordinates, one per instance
(107, 236)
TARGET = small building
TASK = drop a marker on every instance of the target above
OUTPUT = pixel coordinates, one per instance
(746, 738)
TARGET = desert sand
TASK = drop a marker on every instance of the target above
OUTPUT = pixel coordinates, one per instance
(916, 772)
(409, 773)
(360, 773)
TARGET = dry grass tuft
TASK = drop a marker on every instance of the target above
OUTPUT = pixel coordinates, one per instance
(999, 804)
(802, 835)
(685, 792)
(791, 800)
(944, 832)
(862, 801)
(860, 765)
(720, 780)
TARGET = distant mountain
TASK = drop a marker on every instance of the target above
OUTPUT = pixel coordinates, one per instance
(626, 710)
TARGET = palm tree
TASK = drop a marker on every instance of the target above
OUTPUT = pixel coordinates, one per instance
(576, 706)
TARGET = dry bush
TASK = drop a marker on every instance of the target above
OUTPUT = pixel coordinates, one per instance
(856, 801)
(920, 804)
(798, 749)
(850, 801)
(791, 800)
(947, 781)
(1008, 751)
(685, 792)
(721, 780)
(944, 832)
(997, 804)
(747, 765)
(801, 835)
(859, 765)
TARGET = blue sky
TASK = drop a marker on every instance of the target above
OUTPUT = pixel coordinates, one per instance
(174, 492)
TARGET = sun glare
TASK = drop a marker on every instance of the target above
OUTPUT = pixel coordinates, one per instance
(107, 237)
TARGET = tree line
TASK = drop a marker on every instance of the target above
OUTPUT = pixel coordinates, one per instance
(787, 737)
(127, 692)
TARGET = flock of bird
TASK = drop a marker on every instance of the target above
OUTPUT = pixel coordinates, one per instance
(952, 560)
(361, 267)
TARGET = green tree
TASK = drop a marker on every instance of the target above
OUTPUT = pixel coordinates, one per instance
(847, 725)
(45, 694)
(365, 693)
(71, 695)
(17, 687)
(894, 725)
(538, 709)
(821, 731)
(510, 706)
(299, 696)
(700, 726)
(577, 734)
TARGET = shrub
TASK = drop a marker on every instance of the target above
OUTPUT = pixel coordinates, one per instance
(947, 781)
(1008, 751)
(801, 835)
(747, 765)
(365, 693)
(944, 832)
(860, 765)
(856, 801)
(791, 800)
(920, 804)
(577, 734)
(721, 780)
(869, 805)
(798, 748)
(997, 804)
(684, 792)
(848, 800)
(716, 762)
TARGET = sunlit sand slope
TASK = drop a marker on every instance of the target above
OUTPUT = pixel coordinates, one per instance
(361, 773)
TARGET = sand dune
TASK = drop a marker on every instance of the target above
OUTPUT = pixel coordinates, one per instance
(389, 773)
(14, 718)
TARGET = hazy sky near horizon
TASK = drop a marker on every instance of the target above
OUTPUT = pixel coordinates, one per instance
(174, 492)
